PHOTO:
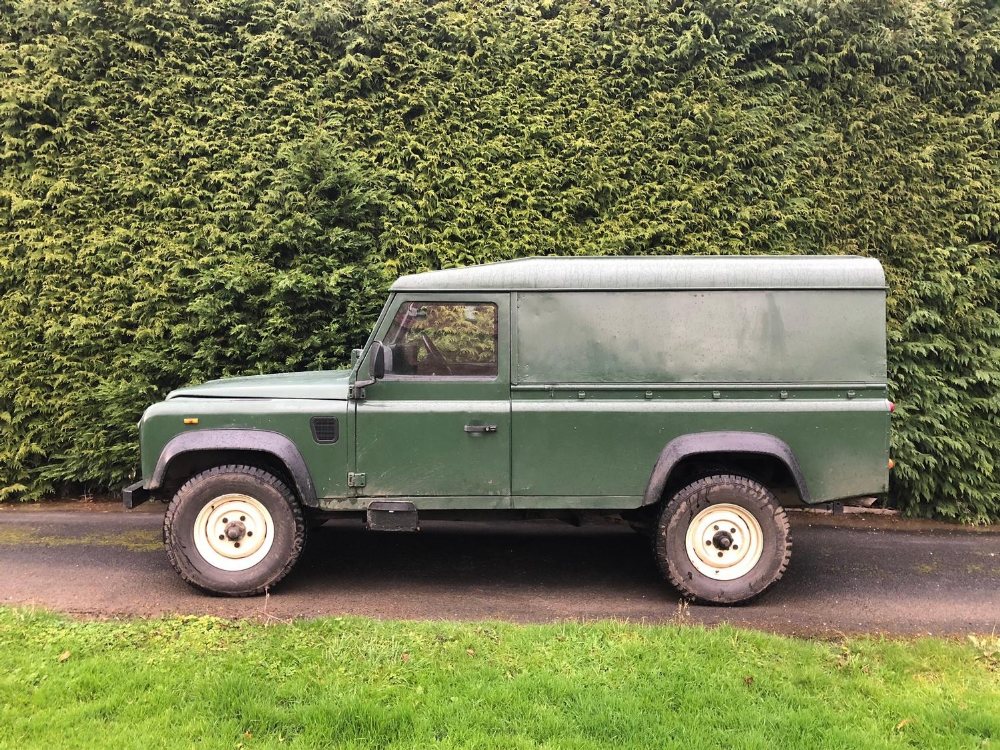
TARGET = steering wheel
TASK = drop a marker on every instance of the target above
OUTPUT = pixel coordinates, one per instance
(435, 355)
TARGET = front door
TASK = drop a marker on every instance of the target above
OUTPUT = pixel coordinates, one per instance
(436, 429)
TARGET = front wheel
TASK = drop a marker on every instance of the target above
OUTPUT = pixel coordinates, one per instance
(723, 539)
(234, 531)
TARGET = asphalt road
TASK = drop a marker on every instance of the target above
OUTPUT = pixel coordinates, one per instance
(847, 576)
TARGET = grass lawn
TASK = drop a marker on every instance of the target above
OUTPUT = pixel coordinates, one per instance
(186, 682)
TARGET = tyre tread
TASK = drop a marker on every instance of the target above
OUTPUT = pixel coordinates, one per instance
(672, 512)
(258, 475)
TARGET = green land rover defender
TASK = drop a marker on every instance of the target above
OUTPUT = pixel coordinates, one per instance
(695, 397)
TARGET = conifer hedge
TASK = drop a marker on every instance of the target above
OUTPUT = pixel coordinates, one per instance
(194, 188)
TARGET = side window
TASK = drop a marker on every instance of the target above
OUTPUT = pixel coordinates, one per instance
(443, 339)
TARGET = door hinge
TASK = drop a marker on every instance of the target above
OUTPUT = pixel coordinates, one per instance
(355, 480)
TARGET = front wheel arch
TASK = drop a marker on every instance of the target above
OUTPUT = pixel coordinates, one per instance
(189, 453)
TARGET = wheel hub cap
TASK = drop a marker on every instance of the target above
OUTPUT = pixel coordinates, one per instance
(724, 541)
(233, 532)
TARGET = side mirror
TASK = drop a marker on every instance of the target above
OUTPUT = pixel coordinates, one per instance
(355, 356)
(378, 361)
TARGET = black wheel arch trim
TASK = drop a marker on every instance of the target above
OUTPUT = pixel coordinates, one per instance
(685, 446)
(261, 441)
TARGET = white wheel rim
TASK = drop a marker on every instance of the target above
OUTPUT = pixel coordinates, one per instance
(724, 542)
(233, 532)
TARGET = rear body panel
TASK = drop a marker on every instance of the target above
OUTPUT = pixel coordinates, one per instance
(603, 380)
(606, 442)
(712, 338)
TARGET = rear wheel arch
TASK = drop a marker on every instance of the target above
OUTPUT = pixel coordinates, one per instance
(759, 456)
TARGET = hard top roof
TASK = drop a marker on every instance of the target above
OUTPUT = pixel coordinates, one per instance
(655, 272)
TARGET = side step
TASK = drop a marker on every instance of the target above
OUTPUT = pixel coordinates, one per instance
(392, 515)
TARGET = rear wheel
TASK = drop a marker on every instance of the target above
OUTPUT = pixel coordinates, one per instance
(234, 531)
(723, 539)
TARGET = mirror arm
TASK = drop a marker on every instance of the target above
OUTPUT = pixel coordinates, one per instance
(357, 390)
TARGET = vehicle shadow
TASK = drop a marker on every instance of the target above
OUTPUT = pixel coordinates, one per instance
(446, 556)
(603, 567)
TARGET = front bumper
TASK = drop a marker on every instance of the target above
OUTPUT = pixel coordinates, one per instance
(135, 494)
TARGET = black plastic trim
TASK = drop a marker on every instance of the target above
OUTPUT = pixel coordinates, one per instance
(318, 424)
(135, 494)
(392, 515)
(263, 441)
(759, 443)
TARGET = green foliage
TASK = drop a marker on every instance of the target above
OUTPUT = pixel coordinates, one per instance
(192, 189)
(351, 683)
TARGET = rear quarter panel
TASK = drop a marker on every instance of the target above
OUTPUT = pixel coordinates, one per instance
(603, 380)
(606, 443)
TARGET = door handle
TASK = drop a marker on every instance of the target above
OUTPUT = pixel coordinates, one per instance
(473, 428)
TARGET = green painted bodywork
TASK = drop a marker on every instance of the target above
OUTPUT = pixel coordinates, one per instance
(328, 384)
(289, 416)
(606, 442)
(602, 362)
(786, 336)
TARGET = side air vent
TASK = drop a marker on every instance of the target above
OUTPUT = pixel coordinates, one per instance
(325, 429)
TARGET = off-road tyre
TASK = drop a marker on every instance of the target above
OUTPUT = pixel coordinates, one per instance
(715, 497)
(189, 505)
